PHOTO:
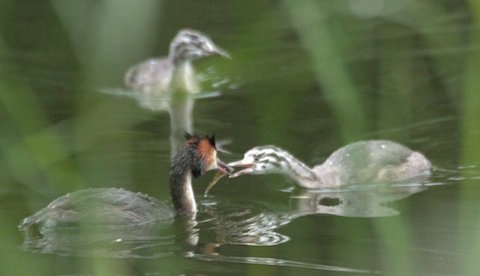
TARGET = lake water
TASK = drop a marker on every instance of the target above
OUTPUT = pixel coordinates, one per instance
(307, 76)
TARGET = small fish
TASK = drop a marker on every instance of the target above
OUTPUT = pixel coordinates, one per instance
(219, 175)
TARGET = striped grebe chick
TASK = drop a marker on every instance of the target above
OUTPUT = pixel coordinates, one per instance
(364, 162)
(157, 76)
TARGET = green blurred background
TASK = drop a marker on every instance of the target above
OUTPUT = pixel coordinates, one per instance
(309, 76)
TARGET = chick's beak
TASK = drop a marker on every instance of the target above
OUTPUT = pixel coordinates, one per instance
(215, 50)
(247, 167)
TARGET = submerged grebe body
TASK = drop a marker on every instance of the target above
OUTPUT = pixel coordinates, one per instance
(112, 207)
(109, 207)
(364, 162)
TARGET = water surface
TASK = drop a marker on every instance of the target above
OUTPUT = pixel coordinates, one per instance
(309, 77)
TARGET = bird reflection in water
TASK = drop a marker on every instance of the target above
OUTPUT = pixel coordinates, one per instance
(91, 217)
(120, 223)
(372, 161)
(357, 180)
(159, 76)
(218, 223)
(170, 84)
(367, 201)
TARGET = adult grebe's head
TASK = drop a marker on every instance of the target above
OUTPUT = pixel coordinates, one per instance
(199, 156)
(190, 45)
(262, 160)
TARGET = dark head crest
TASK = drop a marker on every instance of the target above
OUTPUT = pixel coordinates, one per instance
(195, 139)
(211, 139)
(187, 135)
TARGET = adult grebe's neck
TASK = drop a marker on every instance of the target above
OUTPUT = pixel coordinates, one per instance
(182, 194)
(181, 175)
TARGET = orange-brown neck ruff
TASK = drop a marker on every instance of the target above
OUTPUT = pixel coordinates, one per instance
(207, 152)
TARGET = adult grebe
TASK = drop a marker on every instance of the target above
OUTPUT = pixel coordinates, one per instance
(157, 75)
(116, 208)
(364, 162)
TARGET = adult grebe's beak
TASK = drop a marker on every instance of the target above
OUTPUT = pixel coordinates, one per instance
(223, 168)
(245, 164)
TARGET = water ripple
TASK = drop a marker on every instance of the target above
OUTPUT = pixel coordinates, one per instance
(279, 262)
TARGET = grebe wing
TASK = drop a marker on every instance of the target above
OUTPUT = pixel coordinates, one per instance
(148, 73)
(100, 207)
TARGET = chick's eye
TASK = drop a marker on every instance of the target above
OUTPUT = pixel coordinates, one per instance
(258, 156)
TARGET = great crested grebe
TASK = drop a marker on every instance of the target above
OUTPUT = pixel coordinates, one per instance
(157, 75)
(364, 162)
(114, 207)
